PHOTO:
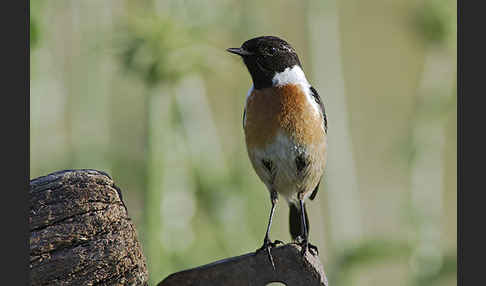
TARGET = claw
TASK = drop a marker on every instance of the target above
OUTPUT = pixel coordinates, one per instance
(267, 245)
(276, 242)
(313, 247)
(307, 246)
(270, 257)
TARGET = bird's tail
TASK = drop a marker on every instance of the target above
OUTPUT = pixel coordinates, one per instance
(294, 221)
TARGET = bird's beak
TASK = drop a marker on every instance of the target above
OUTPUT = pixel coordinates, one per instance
(239, 51)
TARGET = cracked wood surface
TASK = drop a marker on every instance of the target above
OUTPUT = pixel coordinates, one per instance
(80, 233)
(255, 269)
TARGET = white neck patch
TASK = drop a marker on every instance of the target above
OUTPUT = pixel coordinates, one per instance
(294, 75)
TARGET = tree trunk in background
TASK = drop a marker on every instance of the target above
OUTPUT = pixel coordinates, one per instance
(339, 194)
(430, 130)
(382, 59)
(158, 124)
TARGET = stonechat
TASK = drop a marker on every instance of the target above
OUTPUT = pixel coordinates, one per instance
(285, 126)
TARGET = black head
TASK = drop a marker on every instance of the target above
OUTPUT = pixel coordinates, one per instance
(264, 57)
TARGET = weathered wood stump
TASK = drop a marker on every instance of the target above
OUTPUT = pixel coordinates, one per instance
(80, 233)
(291, 268)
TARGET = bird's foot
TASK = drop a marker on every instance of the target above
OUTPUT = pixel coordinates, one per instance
(267, 245)
(305, 244)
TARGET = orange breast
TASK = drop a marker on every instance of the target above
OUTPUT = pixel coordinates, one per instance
(285, 109)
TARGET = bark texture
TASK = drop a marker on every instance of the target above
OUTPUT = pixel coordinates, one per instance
(291, 268)
(80, 233)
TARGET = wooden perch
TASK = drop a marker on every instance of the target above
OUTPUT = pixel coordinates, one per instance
(255, 269)
(80, 233)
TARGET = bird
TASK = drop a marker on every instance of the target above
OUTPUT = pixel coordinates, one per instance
(285, 128)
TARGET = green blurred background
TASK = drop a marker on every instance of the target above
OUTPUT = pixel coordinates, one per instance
(145, 91)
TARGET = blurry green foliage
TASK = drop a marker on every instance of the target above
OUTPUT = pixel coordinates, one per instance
(380, 250)
(36, 8)
(434, 20)
(34, 33)
(363, 253)
(448, 268)
(159, 50)
(371, 250)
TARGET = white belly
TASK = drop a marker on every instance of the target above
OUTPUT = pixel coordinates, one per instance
(286, 179)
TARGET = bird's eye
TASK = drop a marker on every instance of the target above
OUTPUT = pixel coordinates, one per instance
(272, 51)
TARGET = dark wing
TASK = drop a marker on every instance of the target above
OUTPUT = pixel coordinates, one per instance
(314, 192)
(317, 98)
(244, 114)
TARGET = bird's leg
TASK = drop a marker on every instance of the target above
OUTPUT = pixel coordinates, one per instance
(267, 243)
(305, 242)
